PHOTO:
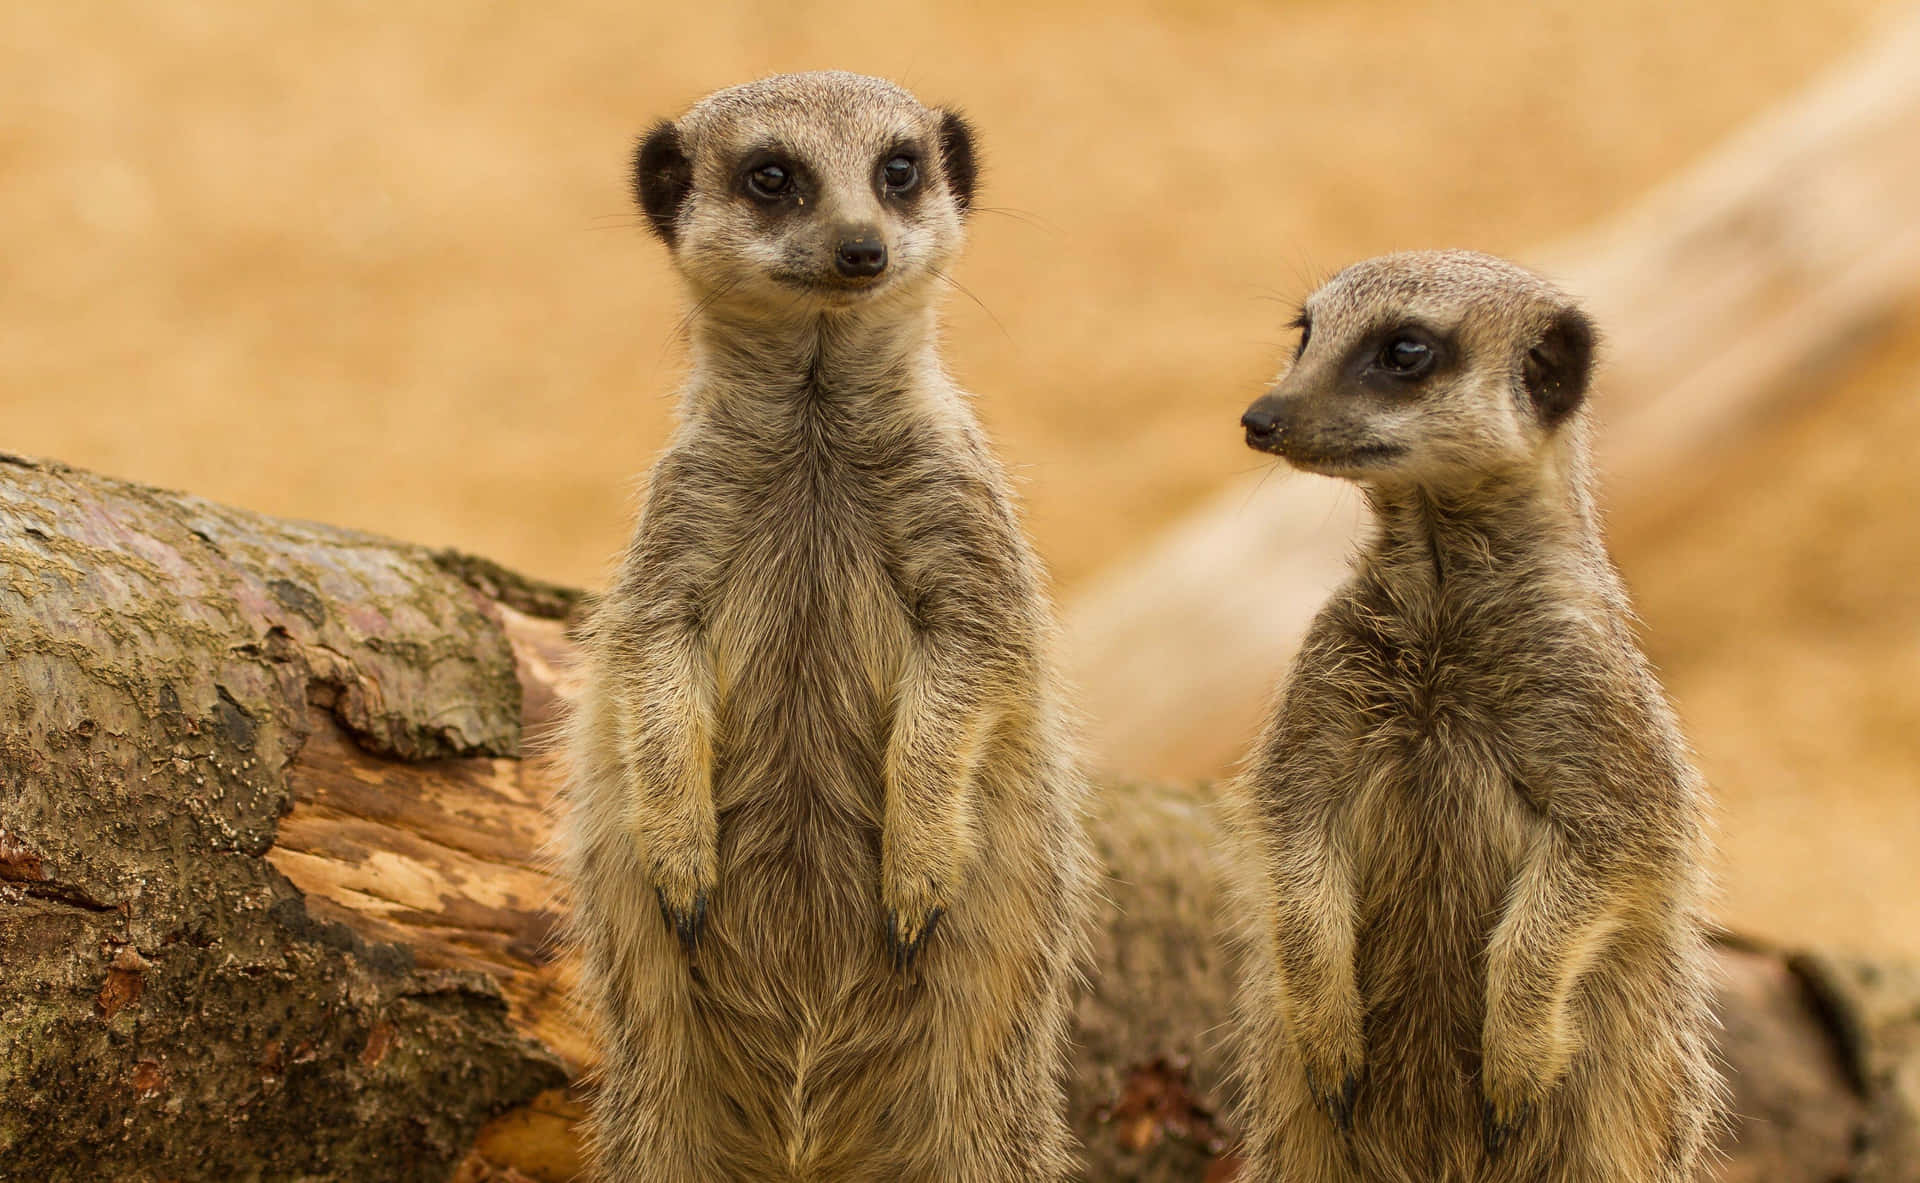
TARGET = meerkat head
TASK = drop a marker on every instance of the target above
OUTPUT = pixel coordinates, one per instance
(1427, 369)
(814, 192)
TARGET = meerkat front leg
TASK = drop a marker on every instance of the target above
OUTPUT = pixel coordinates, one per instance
(974, 653)
(1559, 916)
(1292, 797)
(660, 674)
(929, 838)
(666, 707)
(1314, 941)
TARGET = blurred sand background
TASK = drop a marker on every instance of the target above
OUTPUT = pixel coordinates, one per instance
(376, 265)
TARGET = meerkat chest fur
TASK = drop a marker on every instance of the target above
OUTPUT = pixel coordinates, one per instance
(1444, 635)
(811, 613)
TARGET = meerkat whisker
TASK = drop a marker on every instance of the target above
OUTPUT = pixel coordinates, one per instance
(957, 286)
(1024, 217)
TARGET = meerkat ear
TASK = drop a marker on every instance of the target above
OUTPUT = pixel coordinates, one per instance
(1558, 366)
(956, 154)
(662, 178)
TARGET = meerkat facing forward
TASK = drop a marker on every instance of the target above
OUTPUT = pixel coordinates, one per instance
(1478, 837)
(820, 737)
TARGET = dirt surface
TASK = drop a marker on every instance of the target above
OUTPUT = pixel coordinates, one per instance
(377, 266)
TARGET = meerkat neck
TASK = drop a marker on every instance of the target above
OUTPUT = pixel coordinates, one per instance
(1500, 527)
(844, 357)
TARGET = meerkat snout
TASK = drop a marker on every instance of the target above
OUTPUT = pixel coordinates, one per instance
(1263, 425)
(862, 253)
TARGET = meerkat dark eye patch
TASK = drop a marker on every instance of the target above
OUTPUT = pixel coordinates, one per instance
(899, 174)
(770, 178)
(1559, 365)
(662, 178)
(957, 158)
(1403, 355)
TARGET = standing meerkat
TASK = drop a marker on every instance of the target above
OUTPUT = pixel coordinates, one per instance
(1479, 841)
(826, 848)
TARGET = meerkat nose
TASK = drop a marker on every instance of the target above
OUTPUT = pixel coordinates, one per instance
(1260, 424)
(862, 257)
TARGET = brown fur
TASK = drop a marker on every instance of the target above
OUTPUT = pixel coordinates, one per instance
(826, 842)
(1479, 951)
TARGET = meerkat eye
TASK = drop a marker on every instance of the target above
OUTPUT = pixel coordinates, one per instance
(1405, 357)
(1305, 325)
(900, 174)
(770, 181)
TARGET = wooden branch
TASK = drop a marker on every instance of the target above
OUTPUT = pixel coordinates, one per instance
(272, 900)
(171, 1003)
(1722, 296)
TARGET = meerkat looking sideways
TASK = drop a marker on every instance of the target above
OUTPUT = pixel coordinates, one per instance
(1478, 840)
(826, 850)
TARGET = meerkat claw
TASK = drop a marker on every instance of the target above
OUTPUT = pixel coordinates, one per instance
(1498, 1130)
(1343, 1109)
(686, 925)
(1338, 1104)
(903, 948)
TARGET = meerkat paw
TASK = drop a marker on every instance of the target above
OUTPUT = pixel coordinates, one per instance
(1333, 1056)
(685, 918)
(906, 936)
(1334, 1084)
(683, 891)
(1514, 1085)
(1504, 1116)
(1523, 1061)
(914, 910)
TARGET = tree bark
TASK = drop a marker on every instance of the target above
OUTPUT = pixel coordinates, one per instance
(273, 902)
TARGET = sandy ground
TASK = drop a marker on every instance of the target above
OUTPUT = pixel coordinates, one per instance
(376, 265)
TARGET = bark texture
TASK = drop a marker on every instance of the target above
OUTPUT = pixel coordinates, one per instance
(173, 676)
(273, 898)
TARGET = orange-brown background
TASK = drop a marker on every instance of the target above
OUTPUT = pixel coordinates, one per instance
(375, 264)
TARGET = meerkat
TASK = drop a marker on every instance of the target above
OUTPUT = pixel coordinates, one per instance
(827, 856)
(1478, 839)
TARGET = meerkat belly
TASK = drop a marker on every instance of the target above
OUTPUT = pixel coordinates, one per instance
(1440, 836)
(807, 647)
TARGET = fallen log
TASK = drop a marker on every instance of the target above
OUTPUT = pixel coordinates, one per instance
(272, 900)
(1722, 297)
